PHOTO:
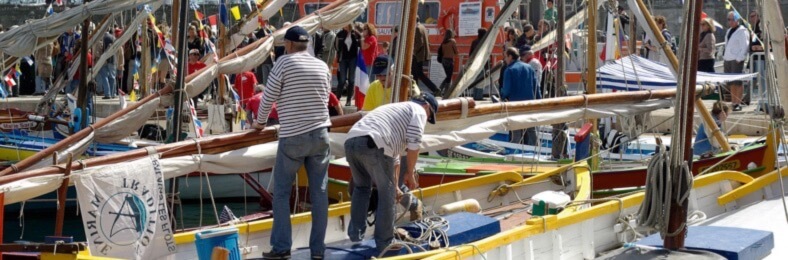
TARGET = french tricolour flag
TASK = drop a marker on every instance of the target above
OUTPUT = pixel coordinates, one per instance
(362, 81)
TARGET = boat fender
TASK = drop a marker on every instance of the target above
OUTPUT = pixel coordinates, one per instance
(751, 166)
(469, 205)
(36, 118)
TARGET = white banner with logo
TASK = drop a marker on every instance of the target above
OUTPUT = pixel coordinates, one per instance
(470, 18)
(124, 210)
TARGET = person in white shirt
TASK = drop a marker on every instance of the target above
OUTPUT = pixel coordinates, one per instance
(737, 46)
(373, 149)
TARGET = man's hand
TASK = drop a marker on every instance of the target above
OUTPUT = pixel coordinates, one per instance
(257, 126)
(410, 181)
(399, 194)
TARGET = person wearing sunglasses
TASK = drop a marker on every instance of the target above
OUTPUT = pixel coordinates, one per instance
(737, 46)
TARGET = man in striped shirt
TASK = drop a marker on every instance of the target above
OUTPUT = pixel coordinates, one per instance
(299, 84)
(373, 149)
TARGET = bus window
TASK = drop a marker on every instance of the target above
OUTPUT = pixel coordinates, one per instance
(429, 12)
(389, 13)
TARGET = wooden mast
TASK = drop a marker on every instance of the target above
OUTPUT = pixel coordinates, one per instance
(145, 60)
(174, 30)
(591, 75)
(682, 153)
(61, 197)
(633, 40)
(82, 96)
(178, 89)
(559, 90)
(222, 42)
(404, 89)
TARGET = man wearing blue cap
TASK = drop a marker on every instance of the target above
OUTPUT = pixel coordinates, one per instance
(299, 84)
(373, 148)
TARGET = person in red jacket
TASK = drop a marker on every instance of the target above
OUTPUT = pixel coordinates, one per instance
(252, 104)
(245, 83)
(75, 81)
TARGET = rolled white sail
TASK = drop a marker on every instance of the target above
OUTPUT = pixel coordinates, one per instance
(23, 40)
(447, 134)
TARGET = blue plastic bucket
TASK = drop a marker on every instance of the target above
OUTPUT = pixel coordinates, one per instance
(206, 240)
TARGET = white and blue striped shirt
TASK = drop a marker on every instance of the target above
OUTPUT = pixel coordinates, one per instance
(299, 84)
(393, 127)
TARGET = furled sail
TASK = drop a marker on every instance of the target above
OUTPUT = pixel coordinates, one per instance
(332, 19)
(448, 134)
(636, 73)
(62, 82)
(250, 25)
(24, 39)
(772, 22)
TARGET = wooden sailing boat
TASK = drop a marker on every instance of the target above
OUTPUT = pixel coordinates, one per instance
(479, 188)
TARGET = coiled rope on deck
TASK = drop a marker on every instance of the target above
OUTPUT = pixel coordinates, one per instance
(661, 190)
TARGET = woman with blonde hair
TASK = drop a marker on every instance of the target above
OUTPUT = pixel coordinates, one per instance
(706, 47)
(369, 46)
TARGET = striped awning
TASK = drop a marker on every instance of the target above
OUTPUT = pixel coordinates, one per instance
(636, 73)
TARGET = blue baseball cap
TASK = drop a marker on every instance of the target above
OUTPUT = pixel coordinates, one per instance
(297, 34)
(380, 66)
(427, 98)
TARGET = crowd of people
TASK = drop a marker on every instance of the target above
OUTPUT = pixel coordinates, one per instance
(294, 88)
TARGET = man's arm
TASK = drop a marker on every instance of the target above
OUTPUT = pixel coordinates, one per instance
(410, 173)
(413, 135)
(271, 92)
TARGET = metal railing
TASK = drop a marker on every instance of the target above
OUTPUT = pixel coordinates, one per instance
(757, 66)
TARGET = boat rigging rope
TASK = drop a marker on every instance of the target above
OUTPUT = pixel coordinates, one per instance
(431, 231)
(661, 190)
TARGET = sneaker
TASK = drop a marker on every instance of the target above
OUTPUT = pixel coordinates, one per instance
(415, 214)
(274, 255)
(317, 256)
(736, 107)
(106, 98)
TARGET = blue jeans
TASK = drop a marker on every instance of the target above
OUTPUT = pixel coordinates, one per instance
(347, 72)
(311, 150)
(42, 85)
(369, 165)
(524, 136)
(72, 85)
(106, 80)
